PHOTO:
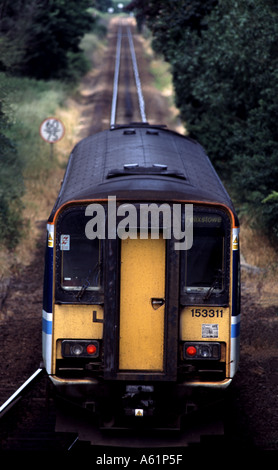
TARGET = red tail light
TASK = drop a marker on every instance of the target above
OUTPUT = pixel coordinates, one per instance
(202, 350)
(191, 351)
(80, 348)
(91, 349)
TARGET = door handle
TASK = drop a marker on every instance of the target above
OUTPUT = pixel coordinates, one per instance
(157, 302)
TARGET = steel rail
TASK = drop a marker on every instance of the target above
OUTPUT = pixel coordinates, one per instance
(116, 78)
(17, 395)
(137, 78)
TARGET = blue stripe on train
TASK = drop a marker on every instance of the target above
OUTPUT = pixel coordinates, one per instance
(47, 326)
(235, 330)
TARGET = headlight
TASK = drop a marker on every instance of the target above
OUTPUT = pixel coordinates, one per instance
(80, 348)
(201, 350)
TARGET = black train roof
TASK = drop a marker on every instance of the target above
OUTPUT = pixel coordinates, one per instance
(141, 162)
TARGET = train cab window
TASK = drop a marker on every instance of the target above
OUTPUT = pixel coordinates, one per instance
(204, 266)
(78, 257)
(80, 264)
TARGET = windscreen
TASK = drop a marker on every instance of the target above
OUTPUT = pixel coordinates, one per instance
(204, 264)
(80, 258)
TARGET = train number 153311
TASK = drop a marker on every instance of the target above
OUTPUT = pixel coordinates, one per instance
(207, 312)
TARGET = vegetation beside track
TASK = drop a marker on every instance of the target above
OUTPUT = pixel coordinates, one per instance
(224, 82)
(30, 172)
(224, 62)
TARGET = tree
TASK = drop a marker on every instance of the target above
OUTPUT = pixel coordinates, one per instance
(40, 38)
(11, 185)
(224, 62)
(103, 5)
(169, 19)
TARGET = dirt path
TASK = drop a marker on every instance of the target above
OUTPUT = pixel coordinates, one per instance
(254, 391)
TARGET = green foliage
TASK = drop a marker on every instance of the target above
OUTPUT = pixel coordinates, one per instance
(40, 38)
(224, 62)
(102, 5)
(30, 102)
(168, 19)
(24, 156)
(11, 184)
(11, 191)
(271, 210)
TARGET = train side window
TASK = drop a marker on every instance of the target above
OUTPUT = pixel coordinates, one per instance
(204, 266)
(80, 258)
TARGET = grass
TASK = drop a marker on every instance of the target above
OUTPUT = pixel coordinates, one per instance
(29, 103)
(162, 76)
(259, 265)
(163, 81)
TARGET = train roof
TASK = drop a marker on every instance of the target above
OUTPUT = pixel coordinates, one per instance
(141, 162)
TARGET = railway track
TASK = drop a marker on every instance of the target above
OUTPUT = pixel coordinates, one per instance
(28, 419)
(125, 45)
(17, 395)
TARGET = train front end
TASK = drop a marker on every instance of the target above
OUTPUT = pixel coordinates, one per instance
(134, 321)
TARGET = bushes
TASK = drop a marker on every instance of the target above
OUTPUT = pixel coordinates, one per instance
(24, 156)
(11, 186)
(11, 191)
(39, 41)
(40, 38)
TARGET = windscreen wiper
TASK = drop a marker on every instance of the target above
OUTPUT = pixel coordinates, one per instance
(218, 277)
(87, 282)
(83, 289)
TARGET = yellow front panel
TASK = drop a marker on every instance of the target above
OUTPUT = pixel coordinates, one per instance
(199, 323)
(141, 341)
(76, 322)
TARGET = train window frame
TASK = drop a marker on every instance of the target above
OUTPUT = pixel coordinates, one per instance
(76, 294)
(209, 294)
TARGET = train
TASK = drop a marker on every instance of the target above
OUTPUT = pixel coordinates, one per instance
(141, 304)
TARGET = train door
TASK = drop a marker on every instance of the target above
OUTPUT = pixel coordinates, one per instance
(141, 310)
(142, 304)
